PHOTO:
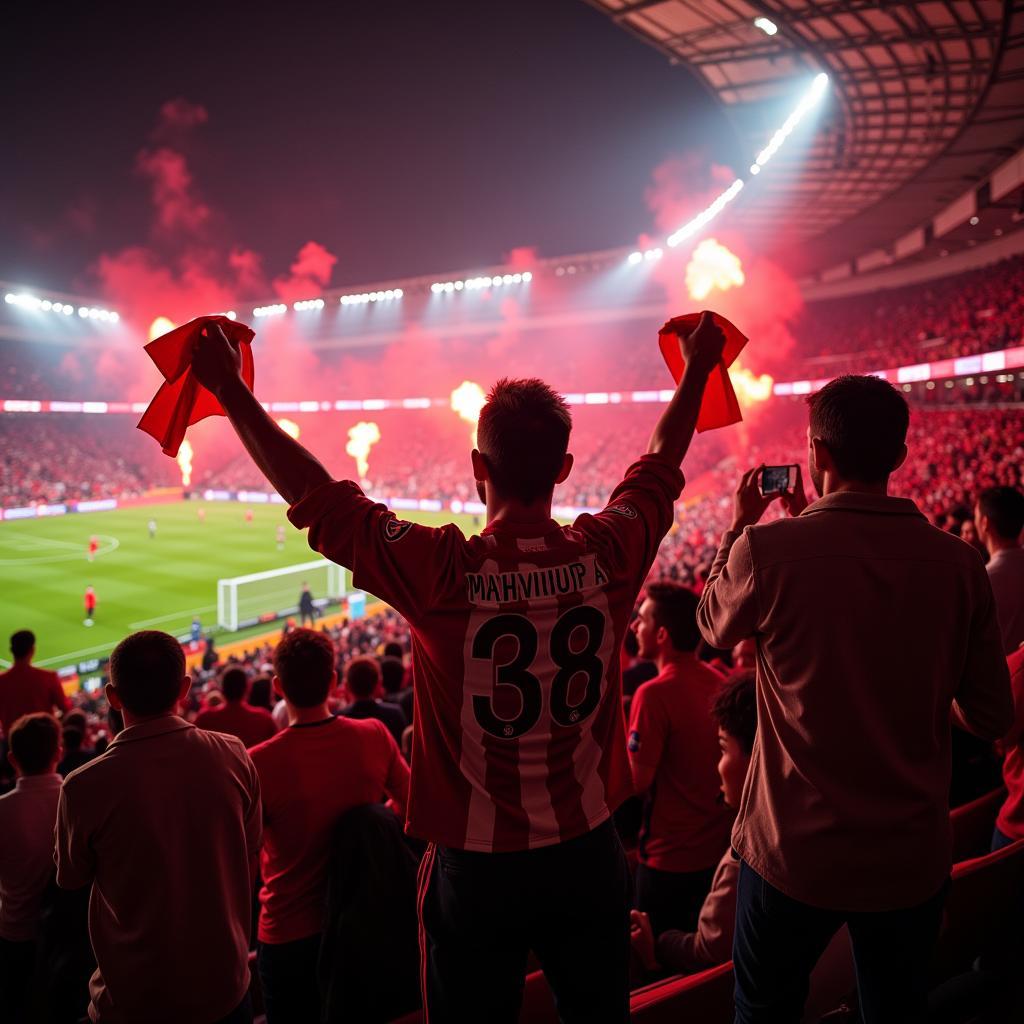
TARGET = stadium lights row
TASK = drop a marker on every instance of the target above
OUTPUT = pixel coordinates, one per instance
(25, 301)
(648, 255)
(475, 283)
(810, 98)
(275, 310)
(361, 298)
(305, 304)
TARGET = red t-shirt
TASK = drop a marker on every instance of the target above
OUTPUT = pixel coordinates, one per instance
(236, 718)
(310, 775)
(685, 826)
(519, 737)
(25, 690)
(1011, 817)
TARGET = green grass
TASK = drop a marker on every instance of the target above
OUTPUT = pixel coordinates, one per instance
(140, 583)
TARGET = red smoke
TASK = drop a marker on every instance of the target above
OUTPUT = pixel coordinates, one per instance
(309, 274)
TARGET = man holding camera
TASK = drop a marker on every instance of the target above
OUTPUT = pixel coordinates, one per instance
(873, 629)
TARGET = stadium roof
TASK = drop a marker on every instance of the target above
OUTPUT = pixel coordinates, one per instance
(928, 98)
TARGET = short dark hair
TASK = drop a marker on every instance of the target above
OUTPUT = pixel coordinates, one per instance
(675, 608)
(393, 649)
(304, 662)
(523, 435)
(22, 642)
(261, 693)
(146, 669)
(73, 739)
(392, 673)
(362, 677)
(863, 422)
(1004, 507)
(33, 742)
(233, 683)
(735, 708)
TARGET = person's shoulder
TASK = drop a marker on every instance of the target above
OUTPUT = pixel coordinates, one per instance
(268, 749)
(222, 743)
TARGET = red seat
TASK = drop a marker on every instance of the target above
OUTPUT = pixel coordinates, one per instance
(982, 911)
(972, 825)
(704, 997)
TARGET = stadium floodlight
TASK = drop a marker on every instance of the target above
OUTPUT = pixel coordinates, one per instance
(809, 99)
(385, 295)
(472, 284)
(26, 301)
(274, 310)
(246, 600)
(706, 215)
(766, 25)
(308, 304)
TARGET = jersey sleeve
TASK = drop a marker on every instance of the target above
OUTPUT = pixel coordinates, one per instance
(639, 513)
(73, 855)
(401, 563)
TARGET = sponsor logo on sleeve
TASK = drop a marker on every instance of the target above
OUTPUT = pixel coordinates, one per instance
(622, 509)
(395, 529)
(634, 742)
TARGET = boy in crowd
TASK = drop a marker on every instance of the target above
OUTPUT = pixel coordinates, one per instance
(684, 952)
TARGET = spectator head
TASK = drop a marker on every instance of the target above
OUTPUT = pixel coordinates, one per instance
(213, 698)
(76, 719)
(393, 649)
(735, 711)
(857, 431)
(522, 441)
(304, 668)
(999, 517)
(147, 674)
(73, 739)
(234, 683)
(392, 674)
(667, 621)
(260, 692)
(34, 744)
(363, 678)
(23, 644)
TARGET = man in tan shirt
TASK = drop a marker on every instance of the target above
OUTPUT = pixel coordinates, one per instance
(873, 628)
(166, 827)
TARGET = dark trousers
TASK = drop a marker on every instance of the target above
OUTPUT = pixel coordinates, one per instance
(672, 899)
(481, 914)
(289, 981)
(241, 1014)
(779, 940)
(17, 967)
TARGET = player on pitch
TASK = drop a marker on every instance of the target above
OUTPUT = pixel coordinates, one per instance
(519, 752)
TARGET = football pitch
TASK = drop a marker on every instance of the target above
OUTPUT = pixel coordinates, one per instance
(140, 582)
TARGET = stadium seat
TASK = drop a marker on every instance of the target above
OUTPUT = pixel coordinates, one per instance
(972, 825)
(705, 998)
(983, 910)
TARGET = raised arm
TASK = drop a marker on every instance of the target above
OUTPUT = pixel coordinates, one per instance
(702, 351)
(292, 470)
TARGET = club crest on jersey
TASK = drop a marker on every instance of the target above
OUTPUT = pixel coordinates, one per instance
(634, 742)
(622, 509)
(395, 529)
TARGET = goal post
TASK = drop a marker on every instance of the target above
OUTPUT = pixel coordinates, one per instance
(264, 596)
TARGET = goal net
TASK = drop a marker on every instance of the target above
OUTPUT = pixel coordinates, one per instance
(264, 596)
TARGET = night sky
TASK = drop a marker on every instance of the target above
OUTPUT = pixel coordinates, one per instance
(406, 137)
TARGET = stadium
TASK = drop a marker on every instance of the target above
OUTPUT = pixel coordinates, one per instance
(842, 184)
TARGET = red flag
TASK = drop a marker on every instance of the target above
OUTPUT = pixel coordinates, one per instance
(182, 400)
(720, 406)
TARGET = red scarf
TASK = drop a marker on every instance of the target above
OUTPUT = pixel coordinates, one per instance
(720, 406)
(182, 400)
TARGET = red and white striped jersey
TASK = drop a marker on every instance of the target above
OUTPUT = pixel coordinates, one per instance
(519, 739)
